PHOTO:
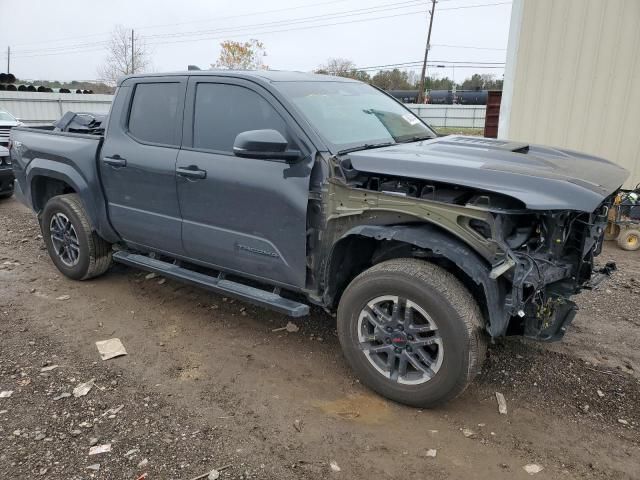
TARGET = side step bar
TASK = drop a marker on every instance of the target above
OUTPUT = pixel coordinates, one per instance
(219, 284)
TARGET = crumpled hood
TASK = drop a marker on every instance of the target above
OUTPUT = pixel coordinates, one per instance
(543, 178)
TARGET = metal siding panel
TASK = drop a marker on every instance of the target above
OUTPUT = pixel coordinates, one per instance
(574, 40)
(591, 79)
(576, 78)
(552, 76)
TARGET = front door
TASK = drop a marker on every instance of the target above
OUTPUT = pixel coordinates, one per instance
(243, 215)
(138, 162)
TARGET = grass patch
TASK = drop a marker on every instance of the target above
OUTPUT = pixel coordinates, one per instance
(478, 132)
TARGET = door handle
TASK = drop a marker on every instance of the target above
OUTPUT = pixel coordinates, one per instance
(115, 161)
(192, 171)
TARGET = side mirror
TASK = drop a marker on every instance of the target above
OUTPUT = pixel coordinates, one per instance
(267, 144)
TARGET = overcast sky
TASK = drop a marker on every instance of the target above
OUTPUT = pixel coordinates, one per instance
(62, 40)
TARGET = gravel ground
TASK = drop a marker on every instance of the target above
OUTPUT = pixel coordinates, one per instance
(208, 384)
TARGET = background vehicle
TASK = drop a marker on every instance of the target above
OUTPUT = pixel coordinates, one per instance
(277, 187)
(7, 122)
(443, 97)
(624, 220)
(6, 174)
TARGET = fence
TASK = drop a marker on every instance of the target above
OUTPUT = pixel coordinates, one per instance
(34, 108)
(451, 116)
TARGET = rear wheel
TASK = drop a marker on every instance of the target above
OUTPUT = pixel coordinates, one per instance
(411, 332)
(629, 239)
(74, 247)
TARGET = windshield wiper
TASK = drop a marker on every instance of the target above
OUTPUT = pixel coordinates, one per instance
(417, 138)
(366, 146)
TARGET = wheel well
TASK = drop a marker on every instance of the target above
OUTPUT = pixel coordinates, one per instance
(356, 253)
(45, 188)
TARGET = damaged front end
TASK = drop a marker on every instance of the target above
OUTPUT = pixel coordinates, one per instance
(526, 263)
(547, 257)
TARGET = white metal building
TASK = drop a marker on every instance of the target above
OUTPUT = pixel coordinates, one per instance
(572, 78)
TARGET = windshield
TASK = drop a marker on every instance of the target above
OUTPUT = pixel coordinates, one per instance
(350, 115)
(6, 117)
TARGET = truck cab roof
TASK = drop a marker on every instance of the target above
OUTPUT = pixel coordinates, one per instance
(264, 75)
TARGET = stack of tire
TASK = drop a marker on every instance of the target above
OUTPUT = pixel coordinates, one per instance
(8, 80)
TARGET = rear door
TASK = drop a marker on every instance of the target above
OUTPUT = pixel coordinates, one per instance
(138, 162)
(245, 215)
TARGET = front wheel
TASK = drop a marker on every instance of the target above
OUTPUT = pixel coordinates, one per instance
(75, 248)
(411, 331)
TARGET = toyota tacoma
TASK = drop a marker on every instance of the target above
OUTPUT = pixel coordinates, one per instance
(290, 189)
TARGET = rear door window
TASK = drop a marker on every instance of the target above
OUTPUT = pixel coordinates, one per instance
(155, 113)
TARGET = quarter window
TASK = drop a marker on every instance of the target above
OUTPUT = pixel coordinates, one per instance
(154, 116)
(223, 111)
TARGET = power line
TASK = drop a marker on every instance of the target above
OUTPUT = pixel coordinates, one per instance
(383, 7)
(139, 27)
(101, 44)
(336, 15)
(453, 62)
(474, 6)
(417, 64)
(304, 27)
(250, 14)
(80, 48)
(467, 47)
(346, 13)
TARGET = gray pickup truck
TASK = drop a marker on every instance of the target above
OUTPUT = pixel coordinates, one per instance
(291, 189)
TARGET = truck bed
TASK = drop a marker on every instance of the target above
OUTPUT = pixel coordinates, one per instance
(39, 150)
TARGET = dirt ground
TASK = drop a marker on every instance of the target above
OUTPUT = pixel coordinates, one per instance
(208, 384)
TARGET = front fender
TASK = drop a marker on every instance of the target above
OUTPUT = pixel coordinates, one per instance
(428, 237)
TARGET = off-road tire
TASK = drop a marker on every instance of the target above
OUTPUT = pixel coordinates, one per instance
(629, 239)
(447, 302)
(95, 253)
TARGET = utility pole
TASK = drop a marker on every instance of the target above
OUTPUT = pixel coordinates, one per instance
(133, 70)
(8, 59)
(426, 53)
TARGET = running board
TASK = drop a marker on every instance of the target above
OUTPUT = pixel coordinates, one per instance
(219, 284)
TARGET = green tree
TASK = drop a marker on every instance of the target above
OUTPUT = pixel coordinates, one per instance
(392, 80)
(432, 83)
(481, 82)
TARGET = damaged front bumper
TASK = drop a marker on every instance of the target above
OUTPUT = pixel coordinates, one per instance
(552, 325)
(543, 272)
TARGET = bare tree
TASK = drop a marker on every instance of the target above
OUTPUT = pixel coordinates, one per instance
(121, 58)
(341, 67)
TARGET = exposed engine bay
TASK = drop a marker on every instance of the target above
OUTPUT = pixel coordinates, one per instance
(536, 259)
